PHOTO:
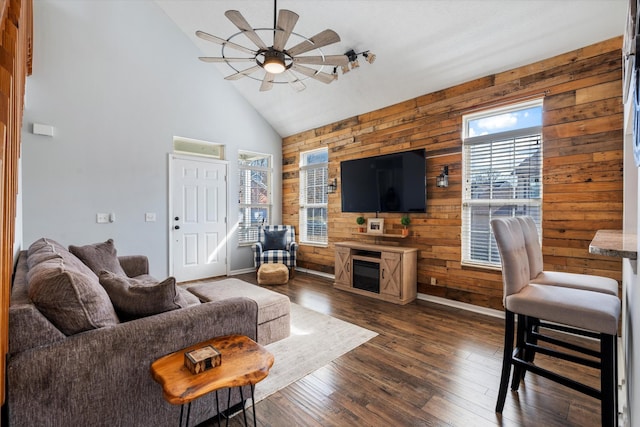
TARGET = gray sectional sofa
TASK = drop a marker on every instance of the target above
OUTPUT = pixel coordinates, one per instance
(74, 360)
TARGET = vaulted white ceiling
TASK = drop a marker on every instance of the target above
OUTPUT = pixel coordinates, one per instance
(421, 46)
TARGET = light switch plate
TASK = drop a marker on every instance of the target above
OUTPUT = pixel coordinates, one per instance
(102, 218)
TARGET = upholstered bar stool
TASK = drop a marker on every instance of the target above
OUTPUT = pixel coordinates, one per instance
(555, 278)
(576, 311)
(559, 278)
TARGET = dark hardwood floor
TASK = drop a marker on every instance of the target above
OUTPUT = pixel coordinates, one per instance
(430, 365)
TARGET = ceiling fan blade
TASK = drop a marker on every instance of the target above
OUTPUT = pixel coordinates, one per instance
(243, 73)
(319, 60)
(223, 42)
(294, 82)
(286, 21)
(267, 82)
(314, 74)
(242, 24)
(321, 39)
(216, 59)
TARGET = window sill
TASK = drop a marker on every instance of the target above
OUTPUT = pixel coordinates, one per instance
(481, 266)
(315, 244)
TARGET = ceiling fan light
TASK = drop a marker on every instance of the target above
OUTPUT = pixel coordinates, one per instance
(345, 68)
(274, 62)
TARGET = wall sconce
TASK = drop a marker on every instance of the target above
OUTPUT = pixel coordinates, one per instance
(442, 180)
(332, 187)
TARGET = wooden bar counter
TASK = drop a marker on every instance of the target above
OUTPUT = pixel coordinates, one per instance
(614, 243)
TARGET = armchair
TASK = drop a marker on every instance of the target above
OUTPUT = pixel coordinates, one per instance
(276, 244)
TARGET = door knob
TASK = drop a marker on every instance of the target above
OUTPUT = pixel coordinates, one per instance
(177, 227)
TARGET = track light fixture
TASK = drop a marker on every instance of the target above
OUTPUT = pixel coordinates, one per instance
(353, 61)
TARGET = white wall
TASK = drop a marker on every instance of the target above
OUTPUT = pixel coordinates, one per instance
(118, 80)
(630, 293)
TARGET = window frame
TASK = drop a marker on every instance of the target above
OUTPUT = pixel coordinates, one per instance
(322, 241)
(515, 205)
(245, 208)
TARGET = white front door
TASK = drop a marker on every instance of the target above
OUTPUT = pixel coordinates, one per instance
(198, 218)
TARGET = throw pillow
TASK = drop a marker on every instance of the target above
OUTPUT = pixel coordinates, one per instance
(275, 240)
(73, 301)
(99, 256)
(136, 298)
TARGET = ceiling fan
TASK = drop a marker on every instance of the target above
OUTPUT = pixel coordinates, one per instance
(281, 64)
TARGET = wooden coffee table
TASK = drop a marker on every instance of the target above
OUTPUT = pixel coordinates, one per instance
(244, 362)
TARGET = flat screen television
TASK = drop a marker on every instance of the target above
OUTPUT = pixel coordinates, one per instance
(388, 183)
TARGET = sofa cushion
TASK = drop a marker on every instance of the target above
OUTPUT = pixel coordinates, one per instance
(47, 249)
(186, 298)
(99, 256)
(72, 300)
(143, 296)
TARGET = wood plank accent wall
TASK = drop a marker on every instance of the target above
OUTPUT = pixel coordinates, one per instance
(16, 22)
(582, 169)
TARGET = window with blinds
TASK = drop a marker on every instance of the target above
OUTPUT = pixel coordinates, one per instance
(502, 167)
(313, 196)
(254, 194)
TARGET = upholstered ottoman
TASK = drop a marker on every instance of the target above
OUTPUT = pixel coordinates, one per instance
(273, 274)
(274, 322)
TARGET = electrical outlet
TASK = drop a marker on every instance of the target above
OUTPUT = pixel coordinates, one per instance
(433, 281)
(150, 216)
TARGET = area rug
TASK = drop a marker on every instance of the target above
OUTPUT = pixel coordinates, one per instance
(316, 339)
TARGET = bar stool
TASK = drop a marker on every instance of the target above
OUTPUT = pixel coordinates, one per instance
(570, 310)
(559, 278)
(556, 278)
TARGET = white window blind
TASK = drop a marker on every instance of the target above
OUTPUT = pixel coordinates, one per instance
(313, 196)
(254, 195)
(502, 178)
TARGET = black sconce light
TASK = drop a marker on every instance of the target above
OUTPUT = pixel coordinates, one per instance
(332, 187)
(442, 180)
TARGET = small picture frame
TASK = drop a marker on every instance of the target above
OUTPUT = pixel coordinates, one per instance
(375, 225)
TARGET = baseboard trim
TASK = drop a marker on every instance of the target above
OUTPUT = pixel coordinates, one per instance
(241, 271)
(425, 297)
(462, 305)
(316, 273)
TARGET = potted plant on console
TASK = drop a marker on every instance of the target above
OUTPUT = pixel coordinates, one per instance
(405, 221)
(360, 221)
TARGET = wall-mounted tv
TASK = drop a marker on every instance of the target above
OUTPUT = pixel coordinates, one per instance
(389, 183)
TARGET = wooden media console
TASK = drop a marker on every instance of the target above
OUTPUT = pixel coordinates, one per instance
(385, 272)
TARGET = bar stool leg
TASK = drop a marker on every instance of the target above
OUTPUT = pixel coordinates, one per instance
(608, 380)
(533, 327)
(509, 320)
(521, 352)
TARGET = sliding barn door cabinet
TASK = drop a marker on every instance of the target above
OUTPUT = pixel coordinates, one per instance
(385, 272)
